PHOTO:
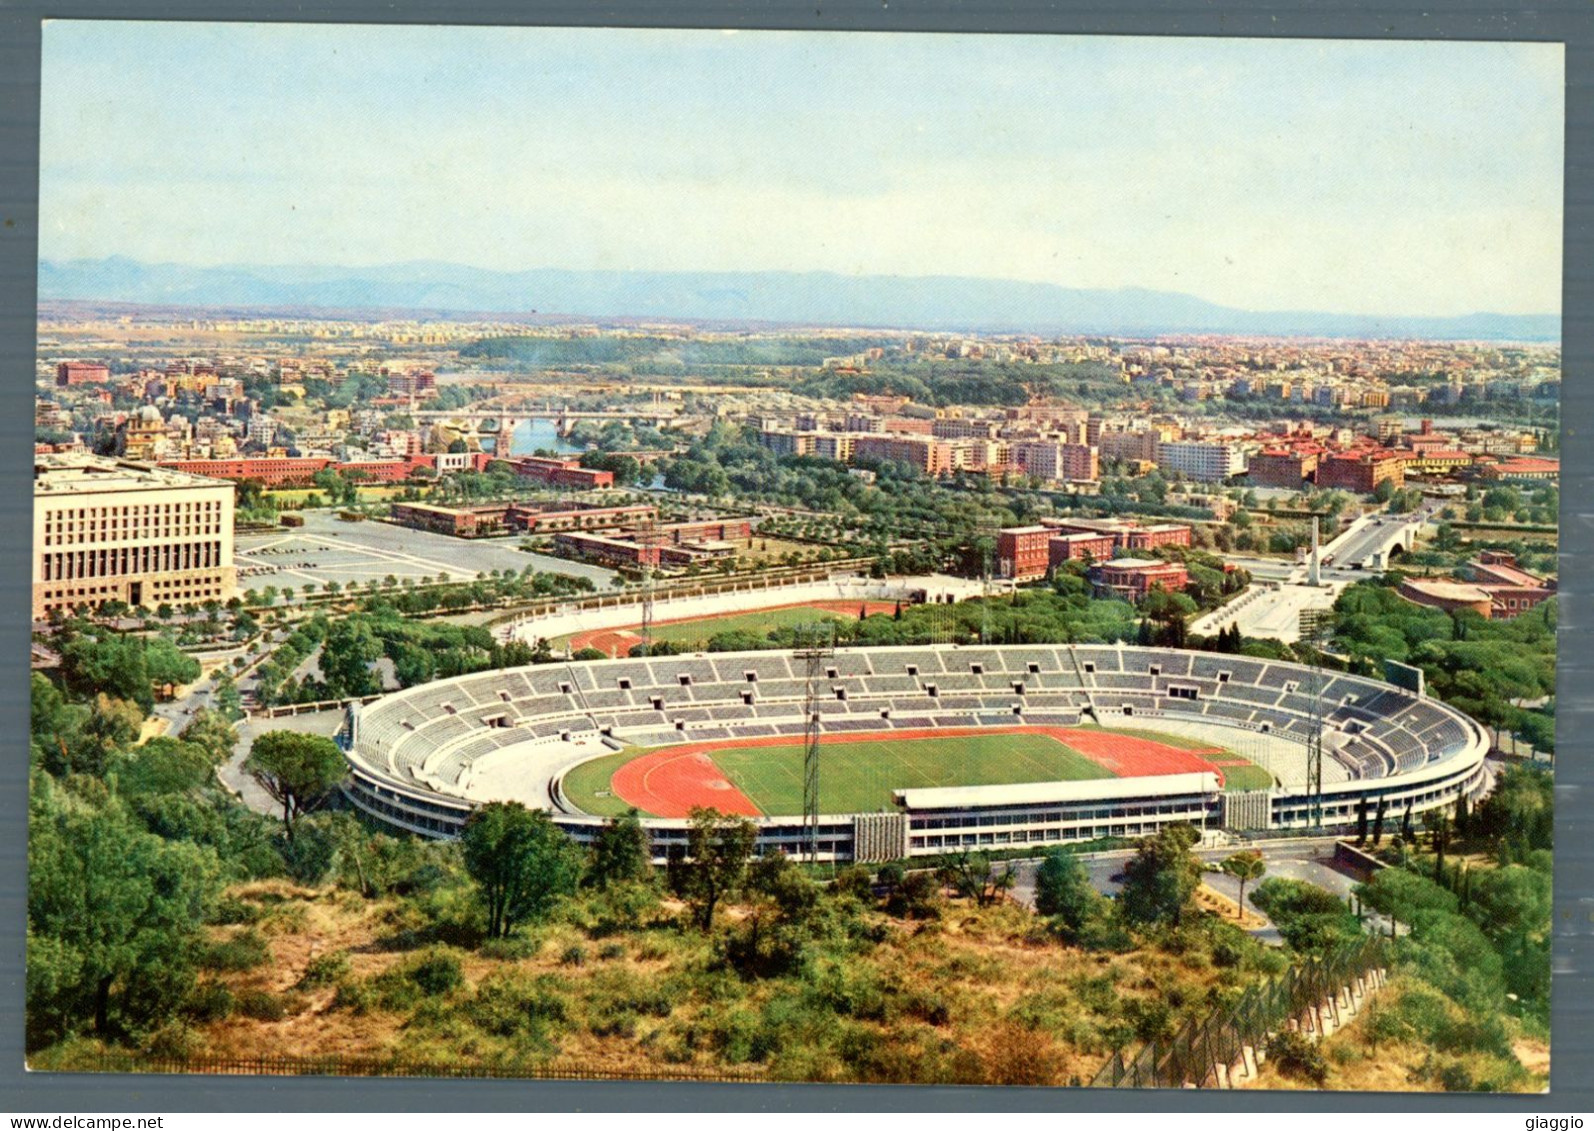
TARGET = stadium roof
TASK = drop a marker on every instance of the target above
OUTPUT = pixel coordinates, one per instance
(1047, 792)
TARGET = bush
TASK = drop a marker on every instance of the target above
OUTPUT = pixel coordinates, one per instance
(574, 955)
(358, 998)
(509, 1006)
(611, 951)
(210, 1001)
(854, 881)
(1298, 1056)
(230, 911)
(513, 948)
(437, 973)
(261, 1005)
(325, 970)
(244, 951)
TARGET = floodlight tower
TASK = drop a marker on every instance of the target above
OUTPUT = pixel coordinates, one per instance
(1312, 624)
(816, 643)
(987, 536)
(648, 538)
(1314, 572)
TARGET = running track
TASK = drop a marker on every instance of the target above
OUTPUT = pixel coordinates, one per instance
(673, 781)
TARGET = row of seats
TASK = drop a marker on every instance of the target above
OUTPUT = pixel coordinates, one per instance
(733, 694)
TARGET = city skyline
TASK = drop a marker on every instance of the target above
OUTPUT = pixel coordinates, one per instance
(1262, 174)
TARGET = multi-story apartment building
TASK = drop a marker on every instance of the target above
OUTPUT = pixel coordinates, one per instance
(1081, 462)
(414, 383)
(1056, 459)
(106, 529)
(1204, 460)
(931, 457)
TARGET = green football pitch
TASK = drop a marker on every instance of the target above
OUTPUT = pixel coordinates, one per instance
(859, 777)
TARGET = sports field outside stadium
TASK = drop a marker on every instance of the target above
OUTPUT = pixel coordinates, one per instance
(859, 772)
(695, 632)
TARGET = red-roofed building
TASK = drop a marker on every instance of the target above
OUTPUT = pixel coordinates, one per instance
(80, 373)
(562, 473)
(1361, 471)
(1525, 470)
(1133, 578)
(1282, 467)
(1021, 552)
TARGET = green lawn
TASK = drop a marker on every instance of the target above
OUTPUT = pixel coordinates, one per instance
(1246, 777)
(859, 777)
(584, 784)
(696, 633)
(760, 621)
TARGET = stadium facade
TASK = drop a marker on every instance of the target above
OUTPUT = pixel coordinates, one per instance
(423, 758)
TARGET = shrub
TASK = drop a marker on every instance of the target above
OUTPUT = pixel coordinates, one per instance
(174, 1041)
(358, 998)
(574, 955)
(611, 951)
(325, 970)
(230, 911)
(244, 951)
(509, 1006)
(1298, 1056)
(210, 1001)
(437, 973)
(513, 948)
(854, 881)
(261, 1005)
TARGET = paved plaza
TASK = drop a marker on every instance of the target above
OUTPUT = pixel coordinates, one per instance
(327, 549)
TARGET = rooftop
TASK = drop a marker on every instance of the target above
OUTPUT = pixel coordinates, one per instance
(1032, 793)
(74, 474)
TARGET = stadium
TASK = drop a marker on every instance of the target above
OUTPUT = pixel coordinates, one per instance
(922, 749)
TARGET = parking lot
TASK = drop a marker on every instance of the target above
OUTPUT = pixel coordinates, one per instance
(327, 549)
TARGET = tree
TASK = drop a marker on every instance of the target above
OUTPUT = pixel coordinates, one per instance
(1378, 822)
(299, 771)
(520, 860)
(229, 703)
(168, 666)
(1244, 867)
(718, 848)
(351, 647)
(111, 908)
(1361, 821)
(620, 853)
(1160, 881)
(976, 876)
(1063, 892)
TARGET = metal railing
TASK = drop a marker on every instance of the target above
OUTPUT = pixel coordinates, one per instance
(1192, 1056)
(381, 1066)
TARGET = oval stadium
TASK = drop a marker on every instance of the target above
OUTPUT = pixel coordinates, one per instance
(922, 749)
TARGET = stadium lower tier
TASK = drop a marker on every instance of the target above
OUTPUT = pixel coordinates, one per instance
(423, 758)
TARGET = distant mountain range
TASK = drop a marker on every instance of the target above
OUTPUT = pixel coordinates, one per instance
(811, 298)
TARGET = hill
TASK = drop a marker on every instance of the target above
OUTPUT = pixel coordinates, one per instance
(812, 298)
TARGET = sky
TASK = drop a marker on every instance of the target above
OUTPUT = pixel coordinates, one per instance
(1384, 178)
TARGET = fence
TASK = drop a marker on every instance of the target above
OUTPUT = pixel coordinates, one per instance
(356, 1066)
(1200, 1053)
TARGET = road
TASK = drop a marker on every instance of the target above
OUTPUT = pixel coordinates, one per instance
(1309, 860)
(1371, 538)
